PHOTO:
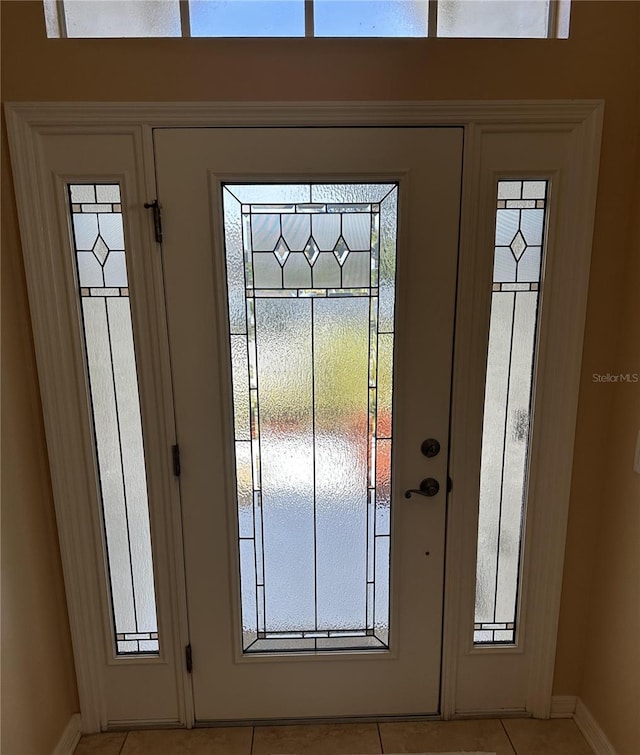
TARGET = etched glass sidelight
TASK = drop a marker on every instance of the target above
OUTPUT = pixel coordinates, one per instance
(98, 236)
(519, 241)
(311, 289)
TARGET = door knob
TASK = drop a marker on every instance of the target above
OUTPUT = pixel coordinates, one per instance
(430, 447)
(428, 487)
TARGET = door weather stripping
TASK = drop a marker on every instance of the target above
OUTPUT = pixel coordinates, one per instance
(157, 218)
(175, 455)
(188, 658)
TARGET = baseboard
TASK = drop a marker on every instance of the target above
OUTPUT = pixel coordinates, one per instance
(591, 730)
(70, 736)
(563, 706)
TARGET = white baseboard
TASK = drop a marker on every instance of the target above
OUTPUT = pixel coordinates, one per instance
(591, 730)
(70, 736)
(563, 706)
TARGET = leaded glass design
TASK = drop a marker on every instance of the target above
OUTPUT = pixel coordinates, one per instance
(99, 245)
(311, 290)
(520, 223)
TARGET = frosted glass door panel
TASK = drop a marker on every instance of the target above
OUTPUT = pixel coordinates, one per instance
(312, 369)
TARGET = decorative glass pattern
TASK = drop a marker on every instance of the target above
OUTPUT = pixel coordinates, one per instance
(311, 289)
(98, 235)
(520, 221)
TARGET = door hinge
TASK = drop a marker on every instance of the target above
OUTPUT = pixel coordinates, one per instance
(175, 455)
(157, 218)
(188, 657)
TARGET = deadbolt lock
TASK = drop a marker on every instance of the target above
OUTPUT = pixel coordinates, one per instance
(430, 447)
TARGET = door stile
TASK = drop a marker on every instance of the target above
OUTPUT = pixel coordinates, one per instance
(172, 518)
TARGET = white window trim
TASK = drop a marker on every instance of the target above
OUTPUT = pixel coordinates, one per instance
(60, 368)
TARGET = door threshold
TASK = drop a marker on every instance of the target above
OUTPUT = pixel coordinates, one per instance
(319, 720)
(497, 713)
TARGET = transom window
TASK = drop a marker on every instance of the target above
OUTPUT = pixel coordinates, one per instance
(307, 18)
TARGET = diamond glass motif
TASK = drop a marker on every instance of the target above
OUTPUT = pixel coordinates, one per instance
(518, 245)
(281, 251)
(311, 251)
(341, 251)
(312, 415)
(100, 250)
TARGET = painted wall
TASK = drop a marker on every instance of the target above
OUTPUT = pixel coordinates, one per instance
(600, 60)
(611, 684)
(38, 677)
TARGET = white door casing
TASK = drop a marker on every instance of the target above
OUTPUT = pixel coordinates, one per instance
(51, 143)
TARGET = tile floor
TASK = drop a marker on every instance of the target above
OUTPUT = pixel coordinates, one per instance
(504, 737)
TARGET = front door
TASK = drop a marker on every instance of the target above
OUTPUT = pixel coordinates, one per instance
(310, 286)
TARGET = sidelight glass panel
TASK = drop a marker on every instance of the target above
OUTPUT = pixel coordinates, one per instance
(314, 372)
(96, 219)
(520, 217)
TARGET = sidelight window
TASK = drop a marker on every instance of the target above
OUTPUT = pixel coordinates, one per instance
(506, 435)
(99, 244)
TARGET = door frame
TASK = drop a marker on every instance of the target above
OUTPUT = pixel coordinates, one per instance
(573, 126)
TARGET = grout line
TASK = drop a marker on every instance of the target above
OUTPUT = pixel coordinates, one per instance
(380, 736)
(513, 747)
(126, 736)
(253, 734)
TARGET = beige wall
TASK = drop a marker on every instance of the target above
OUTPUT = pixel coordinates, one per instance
(601, 60)
(38, 677)
(611, 684)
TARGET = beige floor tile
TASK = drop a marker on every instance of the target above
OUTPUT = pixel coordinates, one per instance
(316, 739)
(234, 740)
(555, 737)
(442, 736)
(101, 744)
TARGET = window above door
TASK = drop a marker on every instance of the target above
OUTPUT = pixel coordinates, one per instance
(525, 19)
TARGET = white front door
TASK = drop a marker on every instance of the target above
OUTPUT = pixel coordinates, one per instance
(310, 282)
